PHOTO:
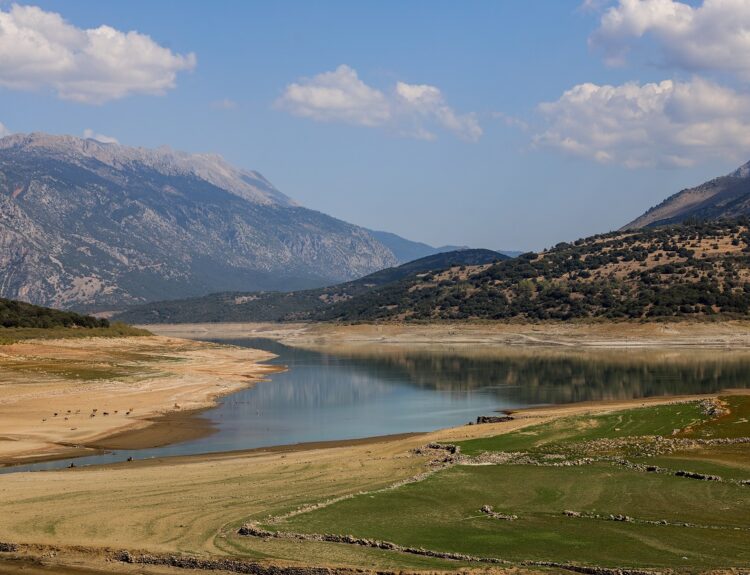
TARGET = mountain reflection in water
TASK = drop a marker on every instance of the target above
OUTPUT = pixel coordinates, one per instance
(368, 390)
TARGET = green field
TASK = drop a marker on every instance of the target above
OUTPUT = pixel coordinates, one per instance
(703, 524)
(549, 437)
(9, 335)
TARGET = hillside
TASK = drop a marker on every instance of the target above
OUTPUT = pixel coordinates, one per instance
(298, 305)
(16, 314)
(97, 226)
(689, 270)
(725, 197)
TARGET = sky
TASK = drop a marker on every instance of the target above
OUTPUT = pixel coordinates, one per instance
(503, 124)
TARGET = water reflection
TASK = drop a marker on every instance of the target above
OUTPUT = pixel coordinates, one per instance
(361, 391)
(552, 376)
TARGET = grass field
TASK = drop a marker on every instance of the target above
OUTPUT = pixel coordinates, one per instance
(16, 334)
(548, 437)
(674, 522)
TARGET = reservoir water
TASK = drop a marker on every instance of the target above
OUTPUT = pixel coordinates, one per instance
(381, 390)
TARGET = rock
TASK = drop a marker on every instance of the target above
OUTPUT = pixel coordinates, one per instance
(493, 419)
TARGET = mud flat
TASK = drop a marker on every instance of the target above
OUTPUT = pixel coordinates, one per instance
(690, 334)
(72, 397)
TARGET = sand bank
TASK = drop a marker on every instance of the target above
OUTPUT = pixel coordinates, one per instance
(724, 334)
(72, 397)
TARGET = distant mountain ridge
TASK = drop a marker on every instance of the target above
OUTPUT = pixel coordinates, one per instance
(408, 250)
(725, 197)
(299, 305)
(95, 226)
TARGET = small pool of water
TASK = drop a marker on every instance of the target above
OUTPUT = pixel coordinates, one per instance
(361, 393)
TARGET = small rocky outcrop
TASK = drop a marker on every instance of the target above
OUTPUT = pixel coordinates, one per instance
(493, 419)
(487, 510)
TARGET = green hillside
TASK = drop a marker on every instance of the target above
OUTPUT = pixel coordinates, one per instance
(20, 320)
(16, 314)
(696, 269)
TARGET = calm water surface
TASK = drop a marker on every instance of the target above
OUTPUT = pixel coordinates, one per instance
(364, 392)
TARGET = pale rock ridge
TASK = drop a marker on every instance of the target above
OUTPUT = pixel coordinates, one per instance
(247, 184)
(98, 226)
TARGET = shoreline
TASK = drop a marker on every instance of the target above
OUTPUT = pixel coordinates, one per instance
(204, 498)
(521, 418)
(728, 334)
(160, 423)
(60, 399)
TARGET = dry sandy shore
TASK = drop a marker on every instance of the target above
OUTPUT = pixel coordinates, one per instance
(59, 397)
(725, 334)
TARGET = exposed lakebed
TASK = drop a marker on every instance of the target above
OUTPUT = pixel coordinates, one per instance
(364, 391)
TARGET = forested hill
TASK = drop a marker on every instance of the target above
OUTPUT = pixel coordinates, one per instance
(696, 269)
(297, 305)
(16, 314)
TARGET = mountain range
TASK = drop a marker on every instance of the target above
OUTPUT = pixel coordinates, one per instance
(95, 226)
(297, 305)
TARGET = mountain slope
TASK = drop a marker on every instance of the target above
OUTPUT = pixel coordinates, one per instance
(96, 226)
(276, 306)
(692, 270)
(721, 198)
(408, 250)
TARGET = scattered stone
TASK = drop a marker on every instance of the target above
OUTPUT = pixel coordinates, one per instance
(487, 510)
(693, 475)
(252, 530)
(713, 407)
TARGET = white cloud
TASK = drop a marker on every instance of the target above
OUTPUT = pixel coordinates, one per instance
(336, 96)
(670, 124)
(224, 104)
(89, 134)
(40, 49)
(4, 131)
(409, 109)
(713, 36)
(511, 121)
(427, 102)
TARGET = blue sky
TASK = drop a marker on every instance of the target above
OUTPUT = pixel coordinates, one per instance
(425, 118)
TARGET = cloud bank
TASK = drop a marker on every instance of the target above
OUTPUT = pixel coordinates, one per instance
(412, 110)
(669, 124)
(714, 36)
(672, 123)
(40, 50)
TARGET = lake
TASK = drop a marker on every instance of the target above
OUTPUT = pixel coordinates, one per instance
(363, 391)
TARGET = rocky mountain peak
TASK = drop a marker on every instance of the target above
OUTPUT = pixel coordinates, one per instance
(210, 167)
(97, 226)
